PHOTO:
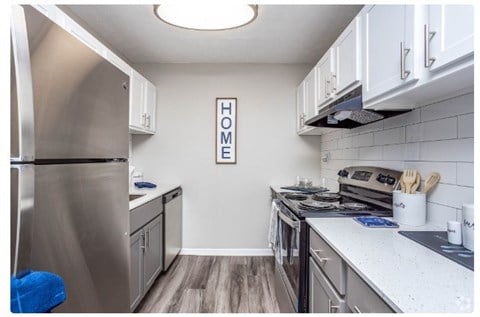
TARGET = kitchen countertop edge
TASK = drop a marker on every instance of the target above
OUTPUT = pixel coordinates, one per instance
(150, 194)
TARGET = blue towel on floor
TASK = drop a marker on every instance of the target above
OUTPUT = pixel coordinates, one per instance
(145, 185)
(36, 292)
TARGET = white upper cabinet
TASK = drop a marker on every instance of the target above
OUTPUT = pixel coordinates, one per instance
(448, 34)
(137, 114)
(150, 106)
(301, 114)
(310, 95)
(143, 99)
(388, 48)
(324, 73)
(346, 50)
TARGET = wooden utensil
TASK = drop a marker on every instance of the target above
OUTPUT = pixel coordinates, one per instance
(416, 184)
(409, 178)
(431, 181)
(402, 184)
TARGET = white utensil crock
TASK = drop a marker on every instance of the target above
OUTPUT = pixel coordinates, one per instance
(468, 223)
(409, 209)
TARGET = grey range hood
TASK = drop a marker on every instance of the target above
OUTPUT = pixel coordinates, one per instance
(347, 112)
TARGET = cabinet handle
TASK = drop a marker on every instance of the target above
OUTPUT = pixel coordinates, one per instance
(427, 36)
(356, 309)
(327, 94)
(403, 53)
(316, 253)
(332, 307)
(334, 86)
(142, 246)
(148, 239)
(148, 121)
(144, 119)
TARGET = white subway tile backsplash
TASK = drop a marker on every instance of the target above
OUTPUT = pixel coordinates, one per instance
(447, 170)
(460, 150)
(451, 195)
(433, 138)
(432, 130)
(465, 126)
(448, 108)
(439, 214)
(362, 140)
(394, 152)
(370, 153)
(390, 136)
(412, 151)
(465, 174)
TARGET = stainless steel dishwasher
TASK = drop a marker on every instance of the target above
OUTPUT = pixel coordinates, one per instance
(172, 232)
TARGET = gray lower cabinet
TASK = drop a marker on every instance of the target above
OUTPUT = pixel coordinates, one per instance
(361, 298)
(146, 258)
(323, 296)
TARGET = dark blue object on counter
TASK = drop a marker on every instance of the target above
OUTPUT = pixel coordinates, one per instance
(375, 222)
(145, 185)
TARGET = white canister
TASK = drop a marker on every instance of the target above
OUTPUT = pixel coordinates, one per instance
(454, 232)
(409, 209)
(468, 224)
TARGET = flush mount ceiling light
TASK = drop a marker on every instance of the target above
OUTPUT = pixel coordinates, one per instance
(206, 17)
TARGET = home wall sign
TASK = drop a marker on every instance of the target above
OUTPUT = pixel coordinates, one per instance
(226, 131)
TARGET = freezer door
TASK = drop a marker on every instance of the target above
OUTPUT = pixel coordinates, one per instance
(80, 99)
(80, 232)
(21, 217)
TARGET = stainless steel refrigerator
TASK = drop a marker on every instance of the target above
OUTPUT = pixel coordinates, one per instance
(69, 173)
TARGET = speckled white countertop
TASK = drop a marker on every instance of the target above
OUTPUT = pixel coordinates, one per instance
(150, 194)
(408, 276)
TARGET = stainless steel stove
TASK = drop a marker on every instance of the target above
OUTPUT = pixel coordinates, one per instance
(363, 190)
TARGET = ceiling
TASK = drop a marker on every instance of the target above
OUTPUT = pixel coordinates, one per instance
(280, 34)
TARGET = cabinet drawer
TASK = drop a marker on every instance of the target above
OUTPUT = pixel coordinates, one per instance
(361, 298)
(329, 261)
(141, 215)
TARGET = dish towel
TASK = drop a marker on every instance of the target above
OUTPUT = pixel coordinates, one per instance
(275, 232)
(145, 185)
(36, 292)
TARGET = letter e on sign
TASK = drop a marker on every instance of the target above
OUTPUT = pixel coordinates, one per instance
(226, 131)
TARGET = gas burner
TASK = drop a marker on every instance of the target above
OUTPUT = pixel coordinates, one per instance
(326, 197)
(354, 206)
(293, 196)
(317, 205)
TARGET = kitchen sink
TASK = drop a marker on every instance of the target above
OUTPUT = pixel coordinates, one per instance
(134, 196)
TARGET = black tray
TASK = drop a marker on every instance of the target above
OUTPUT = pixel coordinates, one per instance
(437, 241)
(307, 190)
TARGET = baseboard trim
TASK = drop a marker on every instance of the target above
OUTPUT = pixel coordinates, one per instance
(227, 252)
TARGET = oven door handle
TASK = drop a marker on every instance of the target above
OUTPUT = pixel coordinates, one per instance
(289, 221)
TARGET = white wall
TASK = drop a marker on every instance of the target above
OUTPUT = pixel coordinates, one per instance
(226, 206)
(437, 137)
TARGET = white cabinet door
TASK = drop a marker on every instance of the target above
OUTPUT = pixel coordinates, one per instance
(386, 30)
(137, 115)
(324, 79)
(347, 58)
(310, 95)
(150, 106)
(301, 107)
(453, 34)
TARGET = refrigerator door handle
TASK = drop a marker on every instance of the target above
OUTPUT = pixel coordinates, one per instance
(22, 117)
(22, 206)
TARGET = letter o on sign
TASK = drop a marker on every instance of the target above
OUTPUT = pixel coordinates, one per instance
(228, 125)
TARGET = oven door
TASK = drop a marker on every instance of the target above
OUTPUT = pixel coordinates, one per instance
(287, 266)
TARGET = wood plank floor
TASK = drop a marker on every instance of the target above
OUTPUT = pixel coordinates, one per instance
(220, 284)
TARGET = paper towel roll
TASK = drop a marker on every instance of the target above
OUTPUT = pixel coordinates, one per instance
(468, 226)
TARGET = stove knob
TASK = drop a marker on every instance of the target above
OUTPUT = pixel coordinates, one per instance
(382, 178)
(343, 173)
(390, 180)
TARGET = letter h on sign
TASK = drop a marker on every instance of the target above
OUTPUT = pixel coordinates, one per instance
(226, 131)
